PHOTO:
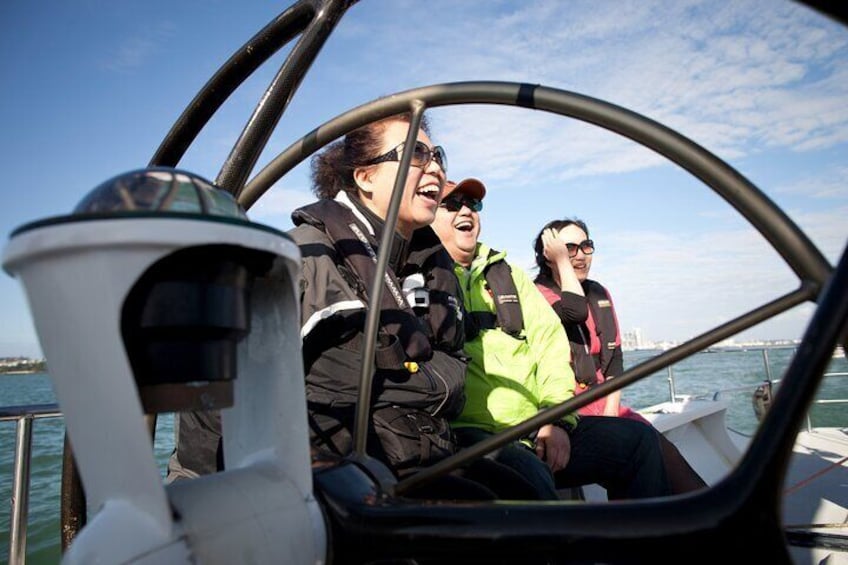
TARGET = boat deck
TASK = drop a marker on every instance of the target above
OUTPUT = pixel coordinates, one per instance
(816, 488)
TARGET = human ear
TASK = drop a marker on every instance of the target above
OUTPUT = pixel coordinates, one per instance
(362, 176)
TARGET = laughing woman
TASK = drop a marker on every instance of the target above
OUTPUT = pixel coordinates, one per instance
(419, 367)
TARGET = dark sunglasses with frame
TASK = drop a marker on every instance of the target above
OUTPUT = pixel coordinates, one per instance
(421, 156)
(587, 246)
(455, 203)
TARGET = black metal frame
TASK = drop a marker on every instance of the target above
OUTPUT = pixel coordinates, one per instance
(368, 519)
(797, 250)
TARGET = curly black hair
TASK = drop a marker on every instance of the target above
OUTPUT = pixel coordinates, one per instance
(332, 169)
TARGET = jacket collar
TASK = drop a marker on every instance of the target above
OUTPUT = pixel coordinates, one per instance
(375, 225)
(485, 256)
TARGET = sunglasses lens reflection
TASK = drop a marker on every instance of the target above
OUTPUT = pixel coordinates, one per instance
(456, 204)
(422, 155)
(441, 157)
(587, 247)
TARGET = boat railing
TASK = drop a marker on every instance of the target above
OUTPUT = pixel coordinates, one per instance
(715, 395)
(23, 416)
(809, 425)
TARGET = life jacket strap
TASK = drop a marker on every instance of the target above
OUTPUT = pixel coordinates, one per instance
(508, 315)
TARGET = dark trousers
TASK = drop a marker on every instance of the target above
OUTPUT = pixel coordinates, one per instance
(621, 455)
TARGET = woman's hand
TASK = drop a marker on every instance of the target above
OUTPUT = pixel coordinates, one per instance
(553, 446)
(554, 248)
(556, 253)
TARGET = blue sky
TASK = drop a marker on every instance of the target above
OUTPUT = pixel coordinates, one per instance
(92, 86)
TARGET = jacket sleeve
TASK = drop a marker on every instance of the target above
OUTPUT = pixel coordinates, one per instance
(548, 344)
(324, 291)
(572, 308)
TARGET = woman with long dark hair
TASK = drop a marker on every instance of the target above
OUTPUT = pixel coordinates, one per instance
(564, 256)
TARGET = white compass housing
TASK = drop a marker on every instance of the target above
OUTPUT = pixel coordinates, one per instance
(157, 294)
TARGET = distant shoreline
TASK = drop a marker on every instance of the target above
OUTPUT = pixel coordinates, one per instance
(719, 348)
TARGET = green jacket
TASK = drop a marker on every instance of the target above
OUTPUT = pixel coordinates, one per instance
(509, 379)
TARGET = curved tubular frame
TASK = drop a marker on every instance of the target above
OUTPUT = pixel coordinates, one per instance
(315, 19)
(363, 401)
(788, 240)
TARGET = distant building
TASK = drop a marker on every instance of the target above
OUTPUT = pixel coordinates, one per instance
(21, 365)
(632, 340)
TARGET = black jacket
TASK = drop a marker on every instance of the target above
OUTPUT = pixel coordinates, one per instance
(419, 363)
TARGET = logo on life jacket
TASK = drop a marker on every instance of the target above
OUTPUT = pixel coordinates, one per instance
(508, 315)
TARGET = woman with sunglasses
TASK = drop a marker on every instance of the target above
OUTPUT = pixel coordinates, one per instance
(338, 236)
(564, 257)
(585, 308)
(419, 371)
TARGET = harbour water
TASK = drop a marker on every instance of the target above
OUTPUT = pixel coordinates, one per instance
(702, 374)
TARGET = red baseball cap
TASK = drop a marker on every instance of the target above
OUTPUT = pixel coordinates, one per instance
(471, 187)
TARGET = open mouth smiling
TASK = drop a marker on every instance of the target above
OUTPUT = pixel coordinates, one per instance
(464, 225)
(430, 193)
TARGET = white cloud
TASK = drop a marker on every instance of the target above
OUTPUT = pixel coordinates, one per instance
(760, 83)
(136, 49)
(741, 86)
(275, 206)
(834, 185)
(673, 286)
(772, 81)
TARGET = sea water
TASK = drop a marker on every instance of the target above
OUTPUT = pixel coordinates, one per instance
(700, 375)
(48, 435)
(705, 373)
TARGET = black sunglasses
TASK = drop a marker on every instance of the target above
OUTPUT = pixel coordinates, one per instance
(455, 203)
(587, 246)
(421, 156)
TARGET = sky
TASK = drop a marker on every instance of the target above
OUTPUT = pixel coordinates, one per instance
(91, 87)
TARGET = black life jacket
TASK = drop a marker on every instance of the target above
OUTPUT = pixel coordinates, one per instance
(418, 355)
(609, 358)
(508, 315)
(582, 336)
(420, 369)
(357, 255)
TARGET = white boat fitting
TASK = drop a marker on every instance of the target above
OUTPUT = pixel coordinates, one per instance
(114, 262)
